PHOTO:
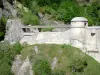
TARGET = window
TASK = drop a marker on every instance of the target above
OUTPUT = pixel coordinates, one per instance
(84, 24)
(24, 29)
(92, 34)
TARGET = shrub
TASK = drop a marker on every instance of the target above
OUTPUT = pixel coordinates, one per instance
(42, 67)
(5, 69)
(78, 65)
(3, 21)
(29, 18)
(27, 51)
(34, 7)
(46, 29)
(18, 47)
(7, 54)
(49, 10)
(59, 72)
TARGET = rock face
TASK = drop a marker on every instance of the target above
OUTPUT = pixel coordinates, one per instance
(53, 65)
(22, 67)
(7, 8)
(36, 49)
(16, 64)
(13, 31)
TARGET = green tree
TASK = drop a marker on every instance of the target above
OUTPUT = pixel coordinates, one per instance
(93, 12)
(67, 10)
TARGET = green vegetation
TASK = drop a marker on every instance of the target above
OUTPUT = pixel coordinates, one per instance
(41, 67)
(65, 10)
(26, 51)
(29, 18)
(46, 29)
(2, 27)
(7, 54)
(71, 60)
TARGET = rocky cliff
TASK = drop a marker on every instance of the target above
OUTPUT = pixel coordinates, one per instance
(7, 8)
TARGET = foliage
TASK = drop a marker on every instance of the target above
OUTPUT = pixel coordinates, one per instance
(78, 65)
(46, 29)
(3, 21)
(65, 10)
(18, 47)
(59, 72)
(71, 60)
(5, 69)
(49, 10)
(34, 7)
(41, 67)
(7, 54)
(25, 2)
(29, 18)
(26, 52)
(93, 12)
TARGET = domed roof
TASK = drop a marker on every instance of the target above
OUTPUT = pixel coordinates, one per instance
(79, 19)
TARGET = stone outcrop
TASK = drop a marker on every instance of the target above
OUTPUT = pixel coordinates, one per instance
(7, 8)
(13, 31)
(22, 67)
(53, 65)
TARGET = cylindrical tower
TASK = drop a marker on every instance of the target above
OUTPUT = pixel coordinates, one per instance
(78, 30)
(79, 23)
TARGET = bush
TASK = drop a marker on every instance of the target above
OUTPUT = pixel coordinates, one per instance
(7, 54)
(78, 65)
(49, 10)
(18, 47)
(34, 7)
(42, 67)
(29, 18)
(46, 29)
(59, 72)
(3, 21)
(5, 69)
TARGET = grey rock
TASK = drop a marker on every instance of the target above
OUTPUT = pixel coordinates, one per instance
(26, 68)
(53, 65)
(22, 67)
(13, 31)
(1, 12)
(36, 49)
(9, 10)
(16, 64)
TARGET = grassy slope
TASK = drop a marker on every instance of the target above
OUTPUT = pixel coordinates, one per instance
(66, 55)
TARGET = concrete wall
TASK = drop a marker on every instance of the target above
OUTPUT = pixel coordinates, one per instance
(88, 43)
